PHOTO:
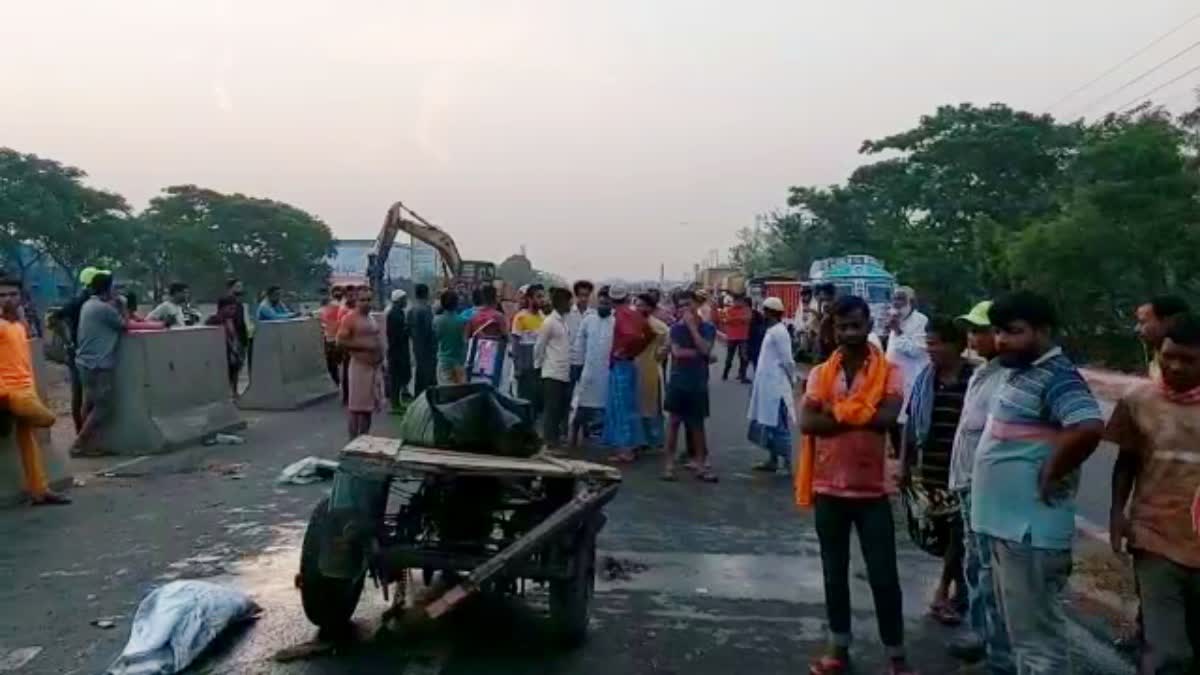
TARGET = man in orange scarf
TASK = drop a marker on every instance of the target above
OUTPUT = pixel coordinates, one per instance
(851, 401)
(19, 398)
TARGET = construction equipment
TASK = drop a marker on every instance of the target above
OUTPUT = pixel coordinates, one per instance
(459, 274)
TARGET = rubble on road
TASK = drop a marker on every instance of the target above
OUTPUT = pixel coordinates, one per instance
(307, 470)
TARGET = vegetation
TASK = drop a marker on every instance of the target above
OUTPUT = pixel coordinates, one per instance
(977, 200)
(187, 233)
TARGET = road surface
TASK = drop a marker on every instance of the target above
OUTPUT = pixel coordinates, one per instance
(722, 578)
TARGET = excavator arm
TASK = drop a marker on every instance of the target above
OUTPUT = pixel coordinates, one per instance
(400, 218)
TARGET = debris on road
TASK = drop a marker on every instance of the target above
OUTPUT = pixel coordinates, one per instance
(620, 569)
(235, 471)
(105, 622)
(304, 650)
(176, 622)
(15, 659)
(307, 470)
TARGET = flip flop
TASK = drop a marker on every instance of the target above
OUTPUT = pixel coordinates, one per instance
(668, 476)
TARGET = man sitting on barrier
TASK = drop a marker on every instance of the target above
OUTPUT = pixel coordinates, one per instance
(19, 397)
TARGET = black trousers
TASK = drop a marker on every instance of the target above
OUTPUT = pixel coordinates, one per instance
(333, 362)
(872, 517)
(735, 347)
(426, 373)
(398, 376)
(529, 387)
(556, 396)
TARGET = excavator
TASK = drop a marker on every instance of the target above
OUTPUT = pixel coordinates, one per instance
(458, 274)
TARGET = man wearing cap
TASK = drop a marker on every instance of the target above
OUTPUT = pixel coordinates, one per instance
(399, 370)
(100, 330)
(623, 428)
(984, 634)
(772, 410)
(66, 321)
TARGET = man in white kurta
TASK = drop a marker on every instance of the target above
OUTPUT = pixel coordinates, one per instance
(906, 347)
(772, 411)
(594, 342)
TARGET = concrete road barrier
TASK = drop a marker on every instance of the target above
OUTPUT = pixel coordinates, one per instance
(172, 390)
(288, 370)
(56, 460)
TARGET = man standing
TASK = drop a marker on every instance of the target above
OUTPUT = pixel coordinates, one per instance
(226, 320)
(450, 329)
(1157, 427)
(906, 348)
(171, 312)
(19, 397)
(591, 392)
(623, 430)
(687, 387)
(851, 401)
(100, 330)
(552, 355)
(358, 336)
(66, 321)
(424, 342)
(399, 370)
(272, 307)
(772, 411)
(525, 328)
(1044, 424)
(736, 324)
(574, 319)
(242, 323)
(1154, 319)
(934, 410)
(330, 316)
(649, 372)
(985, 634)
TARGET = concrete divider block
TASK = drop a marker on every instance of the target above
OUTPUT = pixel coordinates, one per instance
(56, 460)
(288, 370)
(172, 390)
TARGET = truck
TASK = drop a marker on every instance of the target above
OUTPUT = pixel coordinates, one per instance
(860, 275)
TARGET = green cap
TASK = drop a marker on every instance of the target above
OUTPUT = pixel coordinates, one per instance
(86, 274)
(978, 316)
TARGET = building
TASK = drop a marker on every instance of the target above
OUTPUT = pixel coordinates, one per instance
(349, 261)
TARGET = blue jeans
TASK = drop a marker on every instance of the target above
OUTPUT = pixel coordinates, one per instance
(1030, 583)
(983, 616)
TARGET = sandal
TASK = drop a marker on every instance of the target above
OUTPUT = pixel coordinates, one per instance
(707, 476)
(829, 665)
(765, 467)
(668, 476)
(623, 458)
(946, 615)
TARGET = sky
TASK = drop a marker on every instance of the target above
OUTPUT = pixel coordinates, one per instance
(607, 138)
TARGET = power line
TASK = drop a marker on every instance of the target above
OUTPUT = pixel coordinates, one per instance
(1150, 93)
(1139, 78)
(1126, 60)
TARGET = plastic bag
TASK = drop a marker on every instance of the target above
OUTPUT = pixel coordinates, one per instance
(176, 622)
(307, 470)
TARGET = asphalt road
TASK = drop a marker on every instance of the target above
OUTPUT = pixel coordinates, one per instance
(727, 576)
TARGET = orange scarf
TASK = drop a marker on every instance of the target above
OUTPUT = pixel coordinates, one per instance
(857, 408)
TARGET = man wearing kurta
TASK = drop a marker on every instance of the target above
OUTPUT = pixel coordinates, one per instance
(772, 410)
(650, 374)
(18, 395)
(594, 341)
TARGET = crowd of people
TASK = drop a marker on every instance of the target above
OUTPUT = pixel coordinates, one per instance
(987, 418)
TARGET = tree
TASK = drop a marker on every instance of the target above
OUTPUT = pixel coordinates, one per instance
(204, 237)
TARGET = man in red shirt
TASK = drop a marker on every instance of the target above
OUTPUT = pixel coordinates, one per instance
(735, 323)
(623, 430)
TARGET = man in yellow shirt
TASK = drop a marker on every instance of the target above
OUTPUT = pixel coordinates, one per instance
(525, 327)
(19, 398)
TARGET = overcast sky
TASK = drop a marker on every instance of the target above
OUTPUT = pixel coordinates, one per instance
(607, 137)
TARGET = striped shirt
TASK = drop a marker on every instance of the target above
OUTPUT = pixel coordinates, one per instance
(1031, 407)
(934, 455)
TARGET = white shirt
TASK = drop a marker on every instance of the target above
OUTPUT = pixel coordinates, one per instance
(169, 313)
(906, 349)
(595, 342)
(977, 403)
(574, 320)
(773, 376)
(552, 351)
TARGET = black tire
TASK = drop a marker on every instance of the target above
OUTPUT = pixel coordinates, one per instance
(571, 599)
(329, 602)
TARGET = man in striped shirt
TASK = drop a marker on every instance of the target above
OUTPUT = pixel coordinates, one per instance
(1043, 424)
